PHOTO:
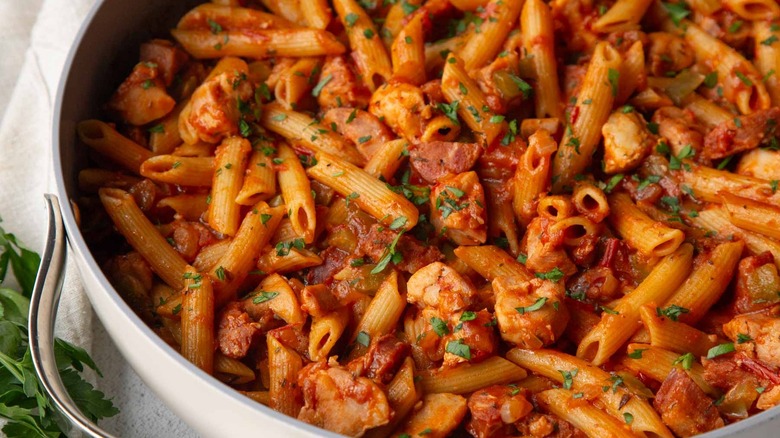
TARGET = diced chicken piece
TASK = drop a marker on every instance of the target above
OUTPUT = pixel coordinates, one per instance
(684, 407)
(626, 141)
(402, 107)
(344, 89)
(337, 401)
(539, 425)
(742, 133)
(545, 255)
(384, 357)
(757, 283)
(132, 277)
(440, 287)
(166, 56)
(763, 329)
(495, 407)
(474, 330)
(458, 209)
(415, 254)
(760, 163)
(236, 331)
(680, 128)
(142, 97)
(668, 53)
(530, 314)
(439, 159)
(769, 398)
(214, 108)
(439, 415)
(360, 127)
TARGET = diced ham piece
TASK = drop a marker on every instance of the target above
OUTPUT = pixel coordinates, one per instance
(439, 159)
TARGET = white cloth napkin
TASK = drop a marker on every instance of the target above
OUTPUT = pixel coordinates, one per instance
(35, 40)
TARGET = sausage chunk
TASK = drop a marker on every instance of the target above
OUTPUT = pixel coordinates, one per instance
(360, 127)
(438, 159)
(344, 89)
(684, 407)
(415, 254)
(384, 357)
(214, 110)
(742, 133)
(759, 334)
(236, 331)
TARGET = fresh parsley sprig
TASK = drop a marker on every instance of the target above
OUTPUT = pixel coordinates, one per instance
(23, 400)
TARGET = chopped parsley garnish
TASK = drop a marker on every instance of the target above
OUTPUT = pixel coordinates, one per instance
(389, 255)
(458, 348)
(263, 296)
(283, 248)
(363, 339)
(439, 326)
(711, 79)
(720, 350)
(677, 11)
(554, 275)
(321, 84)
(568, 377)
(672, 312)
(686, 361)
(614, 77)
(450, 110)
(742, 338)
(538, 304)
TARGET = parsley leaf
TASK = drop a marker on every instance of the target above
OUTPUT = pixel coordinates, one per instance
(538, 304)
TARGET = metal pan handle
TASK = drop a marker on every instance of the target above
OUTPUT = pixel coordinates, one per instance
(43, 313)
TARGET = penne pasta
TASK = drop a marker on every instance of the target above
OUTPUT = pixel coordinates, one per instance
(224, 212)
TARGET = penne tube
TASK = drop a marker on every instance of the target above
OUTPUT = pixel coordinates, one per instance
(142, 235)
(255, 232)
(500, 17)
(619, 324)
(553, 364)
(491, 262)
(235, 371)
(259, 43)
(297, 259)
(706, 111)
(91, 180)
(529, 126)
(164, 136)
(284, 364)
(106, 141)
(707, 184)
(436, 53)
(657, 363)
(707, 282)
(316, 13)
(187, 207)
(458, 86)
(624, 15)
(276, 293)
(675, 336)
(408, 52)
(466, 378)
(197, 320)
(387, 159)
(639, 230)
(754, 10)
(469, 5)
(632, 72)
(296, 82)
(325, 332)
(555, 207)
(594, 422)
(402, 395)
(752, 216)
(259, 180)
(289, 10)
(296, 191)
(230, 17)
(532, 176)
(198, 149)
(183, 171)
(299, 127)
(209, 256)
(368, 51)
(717, 220)
(382, 315)
(440, 128)
(767, 57)
(590, 201)
(501, 217)
(538, 35)
(223, 214)
(740, 80)
(594, 104)
(576, 230)
(367, 192)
